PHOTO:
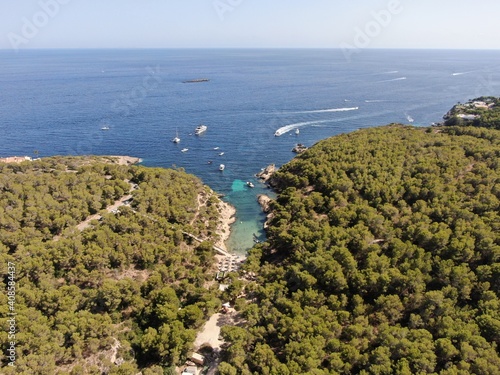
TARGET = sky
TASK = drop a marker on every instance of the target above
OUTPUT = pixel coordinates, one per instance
(450, 24)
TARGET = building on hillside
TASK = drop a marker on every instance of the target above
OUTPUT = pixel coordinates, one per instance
(198, 359)
(190, 370)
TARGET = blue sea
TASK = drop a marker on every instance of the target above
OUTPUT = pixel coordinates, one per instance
(58, 101)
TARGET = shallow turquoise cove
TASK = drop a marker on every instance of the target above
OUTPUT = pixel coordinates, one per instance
(248, 226)
(239, 185)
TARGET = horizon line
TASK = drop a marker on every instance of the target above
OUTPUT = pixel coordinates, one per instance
(251, 48)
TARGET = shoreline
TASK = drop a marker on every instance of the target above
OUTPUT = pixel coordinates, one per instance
(226, 219)
(124, 159)
(117, 159)
(232, 261)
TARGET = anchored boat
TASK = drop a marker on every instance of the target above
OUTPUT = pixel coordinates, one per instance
(200, 129)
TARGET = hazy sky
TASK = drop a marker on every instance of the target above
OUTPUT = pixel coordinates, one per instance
(249, 23)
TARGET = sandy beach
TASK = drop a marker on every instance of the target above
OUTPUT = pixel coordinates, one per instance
(232, 262)
(227, 217)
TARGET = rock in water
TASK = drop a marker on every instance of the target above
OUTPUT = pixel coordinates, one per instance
(266, 174)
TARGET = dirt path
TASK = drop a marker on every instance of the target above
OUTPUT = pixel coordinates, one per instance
(210, 333)
(118, 203)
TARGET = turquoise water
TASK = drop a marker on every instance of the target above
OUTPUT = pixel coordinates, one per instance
(247, 228)
(57, 101)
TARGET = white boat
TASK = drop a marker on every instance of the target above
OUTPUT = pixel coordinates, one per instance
(249, 184)
(200, 129)
(176, 138)
(216, 148)
(297, 131)
(409, 118)
(277, 133)
(184, 149)
(221, 154)
(105, 128)
(222, 167)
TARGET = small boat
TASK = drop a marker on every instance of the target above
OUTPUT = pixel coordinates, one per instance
(200, 129)
(210, 162)
(409, 118)
(249, 184)
(221, 154)
(216, 148)
(184, 149)
(277, 133)
(222, 167)
(176, 138)
(105, 128)
(297, 131)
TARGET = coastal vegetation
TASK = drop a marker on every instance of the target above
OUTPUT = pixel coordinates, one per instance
(383, 257)
(482, 112)
(127, 290)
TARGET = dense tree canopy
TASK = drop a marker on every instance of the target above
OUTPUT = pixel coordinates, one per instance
(128, 286)
(382, 258)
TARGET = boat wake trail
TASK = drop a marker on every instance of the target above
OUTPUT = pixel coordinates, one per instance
(328, 110)
(375, 101)
(461, 73)
(395, 79)
(287, 128)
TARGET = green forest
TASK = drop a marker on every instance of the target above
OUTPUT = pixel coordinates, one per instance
(382, 258)
(128, 289)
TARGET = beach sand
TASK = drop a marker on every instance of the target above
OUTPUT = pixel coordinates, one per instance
(230, 262)
(227, 217)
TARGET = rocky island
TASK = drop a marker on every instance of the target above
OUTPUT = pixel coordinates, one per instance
(197, 80)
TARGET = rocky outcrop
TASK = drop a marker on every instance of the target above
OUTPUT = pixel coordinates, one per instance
(264, 201)
(299, 148)
(267, 172)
